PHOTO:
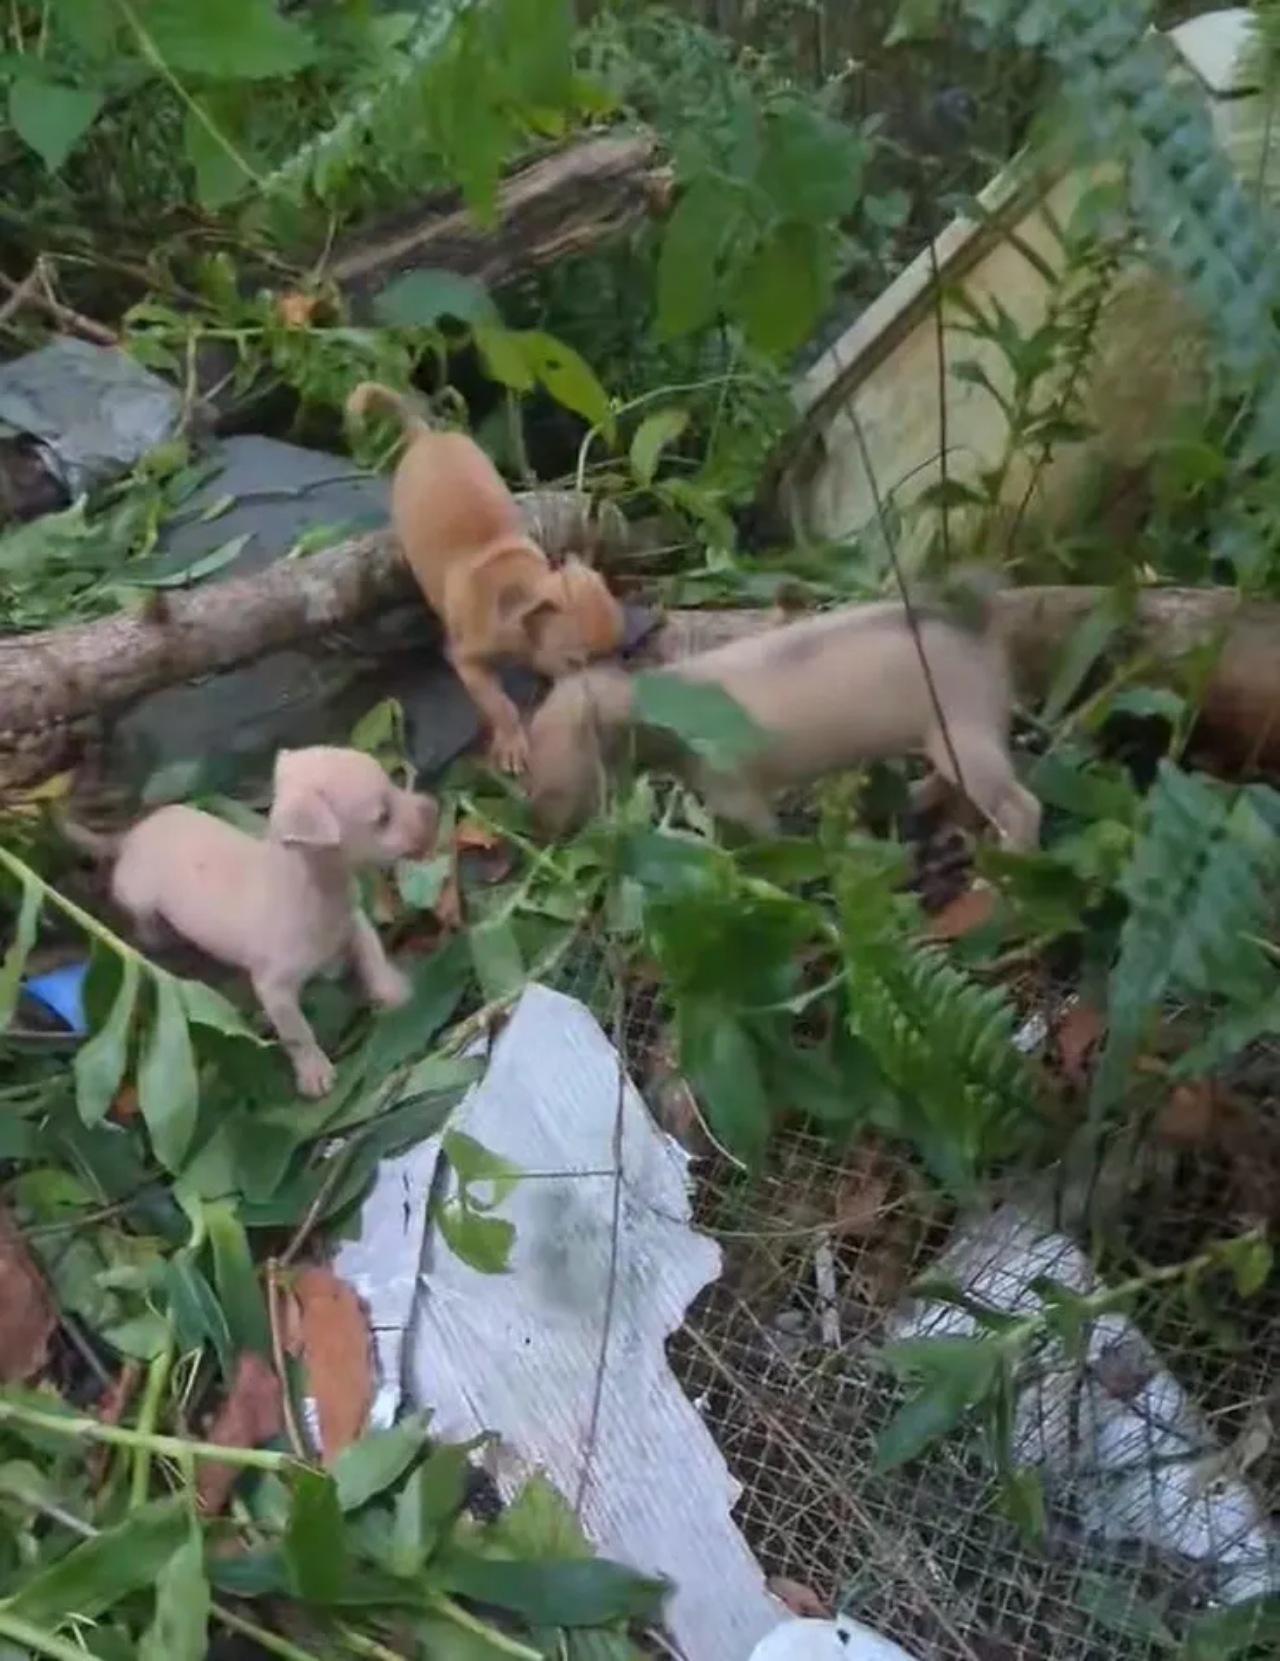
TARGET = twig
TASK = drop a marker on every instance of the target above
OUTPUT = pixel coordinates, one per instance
(36, 289)
(275, 1292)
(337, 1169)
(19, 293)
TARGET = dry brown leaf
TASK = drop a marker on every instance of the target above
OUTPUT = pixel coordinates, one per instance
(861, 1200)
(296, 310)
(800, 1599)
(448, 907)
(109, 1411)
(29, 1312)
(1189, 1115)
(1077, 1035)
(968, 911)
(124, 1108)
(337, 1351)
(469, 834)
(250, 1415)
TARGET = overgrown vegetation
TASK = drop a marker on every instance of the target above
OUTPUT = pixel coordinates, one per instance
(162, 1173)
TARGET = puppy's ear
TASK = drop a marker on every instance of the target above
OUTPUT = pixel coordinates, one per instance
(522, 607)
(300, 817)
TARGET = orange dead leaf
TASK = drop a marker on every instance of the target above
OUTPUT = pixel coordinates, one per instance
(29, 1312)
(1188, 1116)
(1077, 1036)
(968, 911)
(337, 1352)
(470, 834)
(124, 1109)
(250, 1415)
(800, 1599)
(861, 1200)
(448, 907)
(296, 310)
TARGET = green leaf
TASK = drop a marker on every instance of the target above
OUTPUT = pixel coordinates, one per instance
(367, 1467)
(484, 1243)
(168, 1087)
(95, 1575)
(429, 1501)
(1249, 1629)
(24, 938)
(197, 1314)
(570, 1593)
(205, 565)
(700, 713)
(92, 26)
(811, 165)
(540, 1523)
(474, 1163)
(50, 118)
(236, 1279)
(179, 1630)
(785, 288)
(206, 1007)
(315, 1542)
(220, 175)
(1250, 1260)
(698, 230)
(499, 963)
(100, 1064)
(652, 436)
(958, 1373)
(421, 882)
(569, 378)
(226, 40)
(502, 353)
(929, 1415)
(1084, 648)
(421, 299)
(723, 1065)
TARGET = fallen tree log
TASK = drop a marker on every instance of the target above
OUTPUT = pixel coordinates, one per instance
(51, 681)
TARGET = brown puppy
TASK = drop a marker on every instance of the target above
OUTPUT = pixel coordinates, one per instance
(280, 907)
(827, 693)
(492, 587)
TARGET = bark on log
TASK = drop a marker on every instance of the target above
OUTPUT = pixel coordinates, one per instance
(54, 679)
(557, 206)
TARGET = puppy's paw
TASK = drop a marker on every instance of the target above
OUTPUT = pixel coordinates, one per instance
(510, 751)
(391, 989)
(314, 1073)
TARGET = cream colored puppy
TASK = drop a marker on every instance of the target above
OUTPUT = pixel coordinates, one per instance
(280, 907)
(829, 692)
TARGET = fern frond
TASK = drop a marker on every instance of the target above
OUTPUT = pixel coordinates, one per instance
(1204, 227)
(1198, 891)
(943, 1041)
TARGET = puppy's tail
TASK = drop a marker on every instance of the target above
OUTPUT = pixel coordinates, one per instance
(968, 593)
(372, 398)
(100, 846)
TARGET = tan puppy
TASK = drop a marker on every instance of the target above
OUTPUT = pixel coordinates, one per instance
(828, 693)
(492, 587)
(281, 907)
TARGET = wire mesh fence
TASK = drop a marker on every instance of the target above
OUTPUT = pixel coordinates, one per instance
(1155, 1452)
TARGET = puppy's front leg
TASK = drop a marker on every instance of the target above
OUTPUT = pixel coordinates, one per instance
(378, 975)
(510, 744)
(312, 1069)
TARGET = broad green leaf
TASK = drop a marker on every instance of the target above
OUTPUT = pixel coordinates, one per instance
(502, 353)
(540, 1523)
(236, 1278)
(700, 713)
(100, 1063)
(568, 377)
(94, 1576)
(958, 1373)
(168, 1087)
(205, 565)
(197, 1315)
(785, 287)
(811, 166)
(179, 1630)
(652, 436)
(372, 1464)
(702, 223)
(421, 882)
(483, 1243)
(92, 26)
(723, 1065)
(206, 1007)
(50, 118)
(315, 1542)
(474, 1163)
(220, 163)
(420, 299)
(226, 40)
(570, 1593)
(429, 1501)
(499, 964)
(1084, 648)
(1250, 1260)
(24, 938)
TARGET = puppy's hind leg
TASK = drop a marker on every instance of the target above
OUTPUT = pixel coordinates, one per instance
(987, 779)
(312, 1069)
